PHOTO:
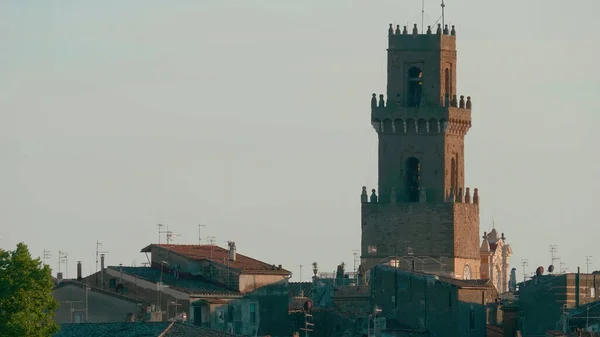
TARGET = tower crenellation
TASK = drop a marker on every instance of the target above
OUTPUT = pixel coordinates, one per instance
(452, 196)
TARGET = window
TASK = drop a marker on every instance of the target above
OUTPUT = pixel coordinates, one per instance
(221, 316)
(413, 179)
(415, 83)
(593, 292)
(78, 317)
(372, 249)
(253, 313)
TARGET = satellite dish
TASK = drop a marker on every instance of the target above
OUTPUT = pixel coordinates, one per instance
(539, 271)
(551, 268)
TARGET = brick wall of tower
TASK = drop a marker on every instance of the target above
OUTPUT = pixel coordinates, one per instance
(446, 230)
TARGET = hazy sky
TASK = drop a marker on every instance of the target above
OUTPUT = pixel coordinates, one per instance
(252, 117)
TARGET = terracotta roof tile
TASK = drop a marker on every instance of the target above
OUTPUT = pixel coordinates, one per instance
(244, 264)
(194, 285)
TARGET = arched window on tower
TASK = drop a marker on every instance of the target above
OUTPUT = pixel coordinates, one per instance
(453, 175)
(413, 179)
(447, 89)
(415, 84)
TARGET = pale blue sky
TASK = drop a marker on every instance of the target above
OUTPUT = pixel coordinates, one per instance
(252, 117)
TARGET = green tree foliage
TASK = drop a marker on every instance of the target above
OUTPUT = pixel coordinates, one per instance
(26, 303)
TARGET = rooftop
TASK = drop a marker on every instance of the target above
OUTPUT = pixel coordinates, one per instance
(65, 283)
(193, 285)
(456, 282)
(138, 329)
(216, 254)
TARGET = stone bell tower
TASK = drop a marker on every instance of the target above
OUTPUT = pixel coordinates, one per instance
(423, 217)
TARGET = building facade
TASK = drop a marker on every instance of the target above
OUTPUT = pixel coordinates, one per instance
(495, 256)
(423, 214)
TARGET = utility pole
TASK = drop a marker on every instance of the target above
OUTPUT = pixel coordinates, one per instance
(524, 263)
(588, 262)
(200, 236)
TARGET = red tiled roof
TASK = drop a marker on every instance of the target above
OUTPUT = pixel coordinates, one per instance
(245, 264)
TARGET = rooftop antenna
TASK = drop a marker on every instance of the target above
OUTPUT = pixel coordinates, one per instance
(300, 273)
(200, 236)
(159, 226)
(211, 240)
(356, 257)
(170, 235)
(588, 262)
(98, 252)
(46, 256)
(553, 250)
(443, 14)
(524, 263)
(63, 258)
(423, 17)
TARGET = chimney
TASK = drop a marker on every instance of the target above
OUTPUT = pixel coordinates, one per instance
(59, 277)
(79, 271)
(231, 251)
(101, 271)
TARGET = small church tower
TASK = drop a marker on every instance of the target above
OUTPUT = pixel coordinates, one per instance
(423, 211)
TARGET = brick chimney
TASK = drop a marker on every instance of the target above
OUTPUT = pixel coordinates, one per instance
(79, 271)
(231, 251)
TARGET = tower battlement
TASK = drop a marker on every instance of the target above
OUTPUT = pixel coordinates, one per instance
(454, 118)
(451, 196)
(441, 39)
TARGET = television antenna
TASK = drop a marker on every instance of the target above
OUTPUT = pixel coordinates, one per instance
(63, 258)
(98, 252)
(200, 236)
(588, 262)
(524, 263)
(356, 257)
(46, 255)
(553, 250)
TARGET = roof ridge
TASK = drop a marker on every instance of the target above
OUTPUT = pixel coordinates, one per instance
(167, 329)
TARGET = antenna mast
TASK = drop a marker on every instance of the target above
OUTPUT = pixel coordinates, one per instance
(355, 253)
(200, 236)
(524, 263)
(422, 16)
(588, 262)
(46, 256)
(553, 250)
(443, 14)
(62, 258)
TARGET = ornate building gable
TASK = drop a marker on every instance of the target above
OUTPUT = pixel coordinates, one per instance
(495, 255)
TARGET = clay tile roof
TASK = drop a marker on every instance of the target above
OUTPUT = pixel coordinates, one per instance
(245, 264)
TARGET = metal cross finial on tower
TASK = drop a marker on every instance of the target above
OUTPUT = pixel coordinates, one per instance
(443, 14)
